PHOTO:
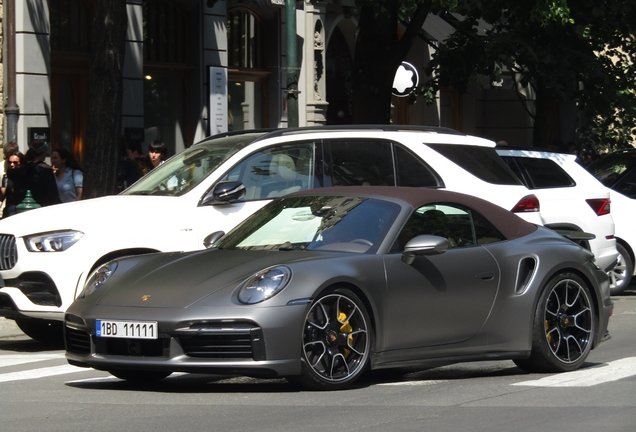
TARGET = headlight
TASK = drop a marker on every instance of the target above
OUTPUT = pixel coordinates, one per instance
(53, 241)
(98, 277)
(264, 285)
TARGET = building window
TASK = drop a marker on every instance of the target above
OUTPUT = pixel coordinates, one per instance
(165, 35)
(247, 73)
(167, 73)
(70, 25)
(245, 38)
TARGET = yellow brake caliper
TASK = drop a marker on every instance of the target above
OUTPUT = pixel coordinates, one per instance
(346, 328)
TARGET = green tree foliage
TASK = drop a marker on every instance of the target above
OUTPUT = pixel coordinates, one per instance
(581, 51)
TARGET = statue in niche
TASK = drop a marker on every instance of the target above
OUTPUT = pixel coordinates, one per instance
(318, 65)
(318, 43)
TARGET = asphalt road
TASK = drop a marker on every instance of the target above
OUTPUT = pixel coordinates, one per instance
(41, 392)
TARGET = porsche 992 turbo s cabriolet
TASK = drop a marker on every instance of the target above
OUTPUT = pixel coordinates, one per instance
(319, 286)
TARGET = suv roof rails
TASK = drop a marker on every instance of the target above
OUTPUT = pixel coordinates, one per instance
(539, 149)
(347, 128)
(275, 132)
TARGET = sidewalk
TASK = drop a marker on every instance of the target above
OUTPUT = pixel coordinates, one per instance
(8, 328)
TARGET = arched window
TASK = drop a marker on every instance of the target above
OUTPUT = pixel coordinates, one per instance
(245, 40)
(247, 70)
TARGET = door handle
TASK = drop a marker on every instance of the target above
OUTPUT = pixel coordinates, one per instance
(489, 275)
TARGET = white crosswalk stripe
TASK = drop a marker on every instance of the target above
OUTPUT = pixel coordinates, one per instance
(16, 359)
(39, 373)
(587, 377)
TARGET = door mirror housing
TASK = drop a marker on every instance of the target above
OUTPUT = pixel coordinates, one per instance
(224, 193)
(424, 245)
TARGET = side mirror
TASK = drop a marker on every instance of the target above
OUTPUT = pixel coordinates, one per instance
(224, 193)
(209, 241)
(424, 245)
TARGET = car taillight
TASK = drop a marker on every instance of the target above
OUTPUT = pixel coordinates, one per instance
(526, 204)
(600, 206)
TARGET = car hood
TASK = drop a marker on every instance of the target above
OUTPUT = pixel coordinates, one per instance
(178, 280)
(84, 215)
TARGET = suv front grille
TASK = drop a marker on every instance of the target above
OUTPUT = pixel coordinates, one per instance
(8, 252)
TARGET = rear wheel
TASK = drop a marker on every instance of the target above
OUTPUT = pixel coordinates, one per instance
(139, 376)
(336, 342)
(42, 330)
(564, 325)
(621, 275)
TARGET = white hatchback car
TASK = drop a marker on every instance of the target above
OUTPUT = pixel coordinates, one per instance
(571, 198)
(617, 171)
(47, 254)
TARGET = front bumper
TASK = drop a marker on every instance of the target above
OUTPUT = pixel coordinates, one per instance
(253, 341)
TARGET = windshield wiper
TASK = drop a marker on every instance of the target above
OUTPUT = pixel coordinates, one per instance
(288, 246)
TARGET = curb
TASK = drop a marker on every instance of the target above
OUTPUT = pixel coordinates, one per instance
(8, 328)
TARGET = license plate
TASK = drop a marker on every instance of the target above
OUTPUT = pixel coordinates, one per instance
(126, 329)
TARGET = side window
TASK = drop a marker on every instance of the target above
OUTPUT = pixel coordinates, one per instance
(360, 162)
(512, 164)
(451, 222)
(461, 226)
(482, 162)
(275, 171)
(411, 171)
(545, 173)
(485, 232)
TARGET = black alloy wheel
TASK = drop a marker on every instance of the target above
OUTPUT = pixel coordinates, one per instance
(564, 326)
(336, 341)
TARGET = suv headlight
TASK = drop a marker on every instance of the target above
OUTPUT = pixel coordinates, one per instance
(264, 285)
(56, 241)
(99, 277)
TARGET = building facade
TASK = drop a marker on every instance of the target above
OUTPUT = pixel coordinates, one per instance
(193, 69)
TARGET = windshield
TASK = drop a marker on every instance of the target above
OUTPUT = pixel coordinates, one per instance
(184, 171)
(329, 223)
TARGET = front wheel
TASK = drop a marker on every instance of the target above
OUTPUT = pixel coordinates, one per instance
(621, 274)
(336, 341)
(563, 328)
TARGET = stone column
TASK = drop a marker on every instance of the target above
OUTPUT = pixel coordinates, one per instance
(316, 62)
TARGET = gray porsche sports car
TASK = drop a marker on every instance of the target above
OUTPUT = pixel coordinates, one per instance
(320, 285)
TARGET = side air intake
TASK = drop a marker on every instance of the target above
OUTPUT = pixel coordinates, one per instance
(525, 274)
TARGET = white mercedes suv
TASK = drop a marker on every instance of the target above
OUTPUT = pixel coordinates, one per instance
(571, 198)
(47, 254)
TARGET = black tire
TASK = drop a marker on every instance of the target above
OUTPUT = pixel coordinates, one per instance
(42, 330)
(563, 327)
(139, 376)
(336, 342)
(621, 275)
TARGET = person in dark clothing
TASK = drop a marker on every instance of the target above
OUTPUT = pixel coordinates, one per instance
(14, 183)
(128, 170)
(44, 186)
